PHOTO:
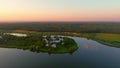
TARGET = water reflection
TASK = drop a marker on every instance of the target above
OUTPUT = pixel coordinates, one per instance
(48, 52)
(88, 46)
(84, 57)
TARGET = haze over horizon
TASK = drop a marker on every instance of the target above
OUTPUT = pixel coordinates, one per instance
(59, 10)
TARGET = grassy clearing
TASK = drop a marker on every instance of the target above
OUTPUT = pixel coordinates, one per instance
(104, 38)
(108, 39)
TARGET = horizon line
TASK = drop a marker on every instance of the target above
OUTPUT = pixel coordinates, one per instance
(61, 22)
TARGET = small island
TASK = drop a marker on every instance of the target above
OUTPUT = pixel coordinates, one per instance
(38, 42)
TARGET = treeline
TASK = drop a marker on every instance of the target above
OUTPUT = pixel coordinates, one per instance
(65, 27)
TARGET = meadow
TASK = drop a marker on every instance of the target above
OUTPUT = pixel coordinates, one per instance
(104, 38)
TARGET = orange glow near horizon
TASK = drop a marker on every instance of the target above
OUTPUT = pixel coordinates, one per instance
(64, 16)
(59, 10)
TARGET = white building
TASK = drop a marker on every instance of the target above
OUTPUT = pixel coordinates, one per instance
(1, 37)
(53, 45)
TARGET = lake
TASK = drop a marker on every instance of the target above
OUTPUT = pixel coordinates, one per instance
(90, 54)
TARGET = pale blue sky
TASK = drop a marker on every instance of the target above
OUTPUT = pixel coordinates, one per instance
(61, 4)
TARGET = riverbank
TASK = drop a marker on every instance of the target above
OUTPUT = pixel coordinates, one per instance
(104, 38)
(35, 42)
(112, 40)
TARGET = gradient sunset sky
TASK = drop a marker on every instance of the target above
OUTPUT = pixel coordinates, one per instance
(59, 10)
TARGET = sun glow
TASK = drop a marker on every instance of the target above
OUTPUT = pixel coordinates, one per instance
(41, 10)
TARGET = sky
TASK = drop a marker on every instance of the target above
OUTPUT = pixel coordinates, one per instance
(59, 10)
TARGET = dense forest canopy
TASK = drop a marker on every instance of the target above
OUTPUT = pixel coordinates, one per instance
(100, 27)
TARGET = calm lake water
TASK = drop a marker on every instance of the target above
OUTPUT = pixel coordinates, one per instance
(90, 54)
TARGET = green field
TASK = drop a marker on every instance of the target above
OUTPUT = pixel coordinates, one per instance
(108, 39)
(104, 38)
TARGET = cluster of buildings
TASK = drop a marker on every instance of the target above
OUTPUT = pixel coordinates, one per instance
(53, 40)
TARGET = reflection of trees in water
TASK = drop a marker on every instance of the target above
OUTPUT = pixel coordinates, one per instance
(50, 50)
